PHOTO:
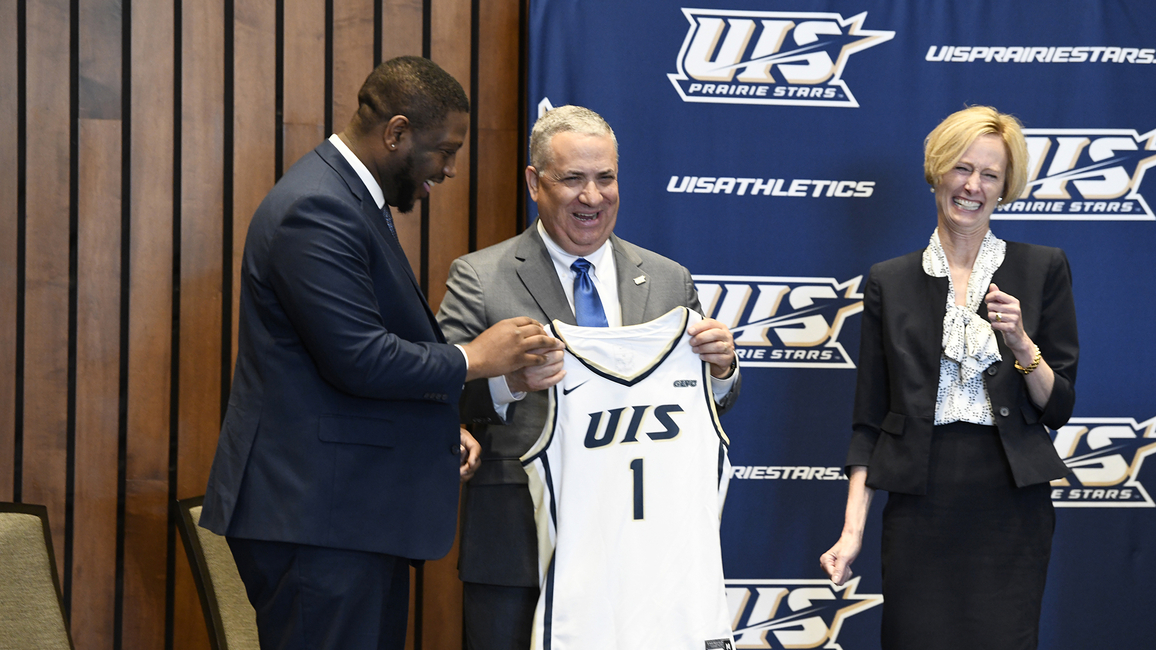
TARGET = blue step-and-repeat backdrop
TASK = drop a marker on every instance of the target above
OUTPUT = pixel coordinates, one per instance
(775, 149)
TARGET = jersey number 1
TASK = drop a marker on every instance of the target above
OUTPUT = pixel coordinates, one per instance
(636, 469)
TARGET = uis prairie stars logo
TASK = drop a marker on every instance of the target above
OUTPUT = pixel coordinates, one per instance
(770, 57)
(783, 322)
(793, 613)
(1106, 456)
(1085, 175)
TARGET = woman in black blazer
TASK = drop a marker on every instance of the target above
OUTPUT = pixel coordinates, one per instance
(968, 350)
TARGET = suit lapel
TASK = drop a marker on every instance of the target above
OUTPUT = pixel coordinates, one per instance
(374, 215)
(934, 293)
(536, 271)
(632, 292)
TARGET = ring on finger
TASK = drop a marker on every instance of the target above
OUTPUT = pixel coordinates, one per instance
(999, 317)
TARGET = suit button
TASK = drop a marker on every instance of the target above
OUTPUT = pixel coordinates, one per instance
(456, 448)
(1003, 410)
(991, 370)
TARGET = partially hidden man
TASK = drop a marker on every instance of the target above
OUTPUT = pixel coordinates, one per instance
(556, 269)
(340, 454)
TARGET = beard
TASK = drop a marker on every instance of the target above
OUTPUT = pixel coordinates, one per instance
(406, 185)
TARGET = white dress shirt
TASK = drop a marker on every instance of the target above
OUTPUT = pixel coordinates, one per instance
(969, 342)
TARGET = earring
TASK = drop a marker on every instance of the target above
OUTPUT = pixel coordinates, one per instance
(393, 146)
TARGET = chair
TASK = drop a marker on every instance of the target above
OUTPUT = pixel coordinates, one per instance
(230, 617)
(31, 608)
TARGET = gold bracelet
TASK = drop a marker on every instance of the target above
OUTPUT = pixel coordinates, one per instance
(1035, 363)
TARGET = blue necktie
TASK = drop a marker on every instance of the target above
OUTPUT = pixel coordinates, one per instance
(587, 306)
(389, 220)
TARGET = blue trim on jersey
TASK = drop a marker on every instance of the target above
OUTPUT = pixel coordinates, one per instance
(708, 393)
(630, 382)
(549, 480)
(722, 454)
(548, 612)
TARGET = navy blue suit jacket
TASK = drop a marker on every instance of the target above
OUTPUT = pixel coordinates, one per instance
(342, 424)
(899, 357)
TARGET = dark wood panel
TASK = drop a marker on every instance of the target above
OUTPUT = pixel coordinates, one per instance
(499, 178)
(201, 205)
(498, 57)
(145, 579)
(402, 35)
(352, 55)
(499, 181)
(8, 235)
(150, 325)
(98, 325)
(304, 97)
(450, 47)
(401, 26)
(201, 268)
(97, 383)
(450, 202)
(46, 264)
(254, 124)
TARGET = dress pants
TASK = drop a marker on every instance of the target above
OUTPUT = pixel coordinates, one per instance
(497, 617)
(315, 598)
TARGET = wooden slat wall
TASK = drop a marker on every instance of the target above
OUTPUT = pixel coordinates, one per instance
(498, 133)
(9, 236)
(146, 551)
(136, 140)
(98, 291)
(402, 25)
(48, 183)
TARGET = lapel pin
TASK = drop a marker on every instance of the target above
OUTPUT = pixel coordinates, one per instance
(640, 279)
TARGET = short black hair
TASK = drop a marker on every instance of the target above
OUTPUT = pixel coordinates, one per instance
(411, 86)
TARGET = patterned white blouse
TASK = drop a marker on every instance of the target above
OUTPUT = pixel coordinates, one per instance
(969, 343)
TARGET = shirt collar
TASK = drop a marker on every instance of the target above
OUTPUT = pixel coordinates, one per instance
(361, 169)
(564, 259)
(991, 254)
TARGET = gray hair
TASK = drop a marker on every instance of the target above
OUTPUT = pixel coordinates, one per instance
(564, 119)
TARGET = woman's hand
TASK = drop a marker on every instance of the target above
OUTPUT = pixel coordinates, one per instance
(836, 562)
(1003, 310)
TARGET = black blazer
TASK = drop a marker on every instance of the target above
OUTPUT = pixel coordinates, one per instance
(899, 359)
(342, 425)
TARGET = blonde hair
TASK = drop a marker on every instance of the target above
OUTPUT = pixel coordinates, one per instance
(564, 119)
(946, 144)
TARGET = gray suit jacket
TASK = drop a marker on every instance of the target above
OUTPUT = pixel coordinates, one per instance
(517, 278)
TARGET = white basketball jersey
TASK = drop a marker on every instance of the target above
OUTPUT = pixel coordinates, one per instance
(628, 478)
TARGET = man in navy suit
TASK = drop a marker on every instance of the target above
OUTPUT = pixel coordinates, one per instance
(339, 457)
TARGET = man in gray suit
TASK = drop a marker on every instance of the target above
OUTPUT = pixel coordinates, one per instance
(540, 273)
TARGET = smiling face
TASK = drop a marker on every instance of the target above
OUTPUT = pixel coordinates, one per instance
(577, 193)
(431, 158)
(968, 193)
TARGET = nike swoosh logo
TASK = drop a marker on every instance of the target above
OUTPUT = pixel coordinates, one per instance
(567, 391)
